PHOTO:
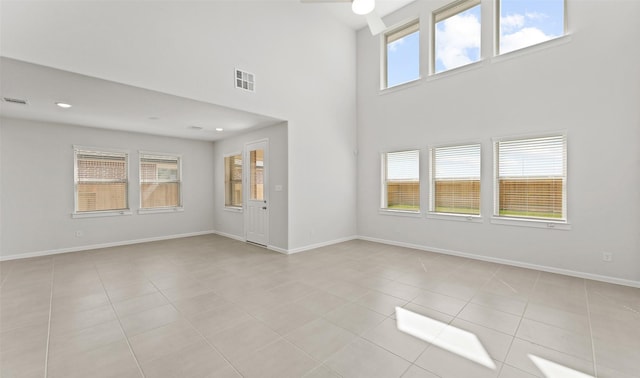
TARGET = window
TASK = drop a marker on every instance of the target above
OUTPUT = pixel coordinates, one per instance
(531, 178)
(456, 35)
(402, 55)
(455, 179)
(160, 181)
(101, 180)
(401, 181)
(256, 175)
(233, 180)
(528, 22)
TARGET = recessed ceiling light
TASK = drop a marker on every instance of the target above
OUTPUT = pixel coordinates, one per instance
(63, 105)
(219, 129)
(195, 127)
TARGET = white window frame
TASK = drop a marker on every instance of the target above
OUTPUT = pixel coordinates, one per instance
(431, 213)
(77, 149)
(442, 14)
(497, 14)
(549, 223)
(168, 156)
(224, 169)
(384, 209)
(384, 76)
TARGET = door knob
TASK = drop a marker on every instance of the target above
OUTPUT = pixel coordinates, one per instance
(264, 208)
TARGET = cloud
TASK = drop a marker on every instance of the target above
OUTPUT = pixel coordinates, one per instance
(393, 46)
(536, 16)
(522, 38)
(458, 40)
(511, 22)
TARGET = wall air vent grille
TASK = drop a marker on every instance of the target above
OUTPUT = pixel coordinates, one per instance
(15, 100)
(245, 80)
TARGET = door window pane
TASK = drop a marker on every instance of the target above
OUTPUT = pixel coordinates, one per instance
(256, 177)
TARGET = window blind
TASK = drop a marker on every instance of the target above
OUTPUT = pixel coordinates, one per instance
(455, 186)
(101, 181)
(233, 180)
(403, 32)
(402, 180)
(531, 177)
(453, 9)
(160, 181)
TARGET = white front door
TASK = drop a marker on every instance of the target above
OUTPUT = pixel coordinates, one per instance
(256, 218)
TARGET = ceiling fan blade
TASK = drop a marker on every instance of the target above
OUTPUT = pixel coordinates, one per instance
(376, 25)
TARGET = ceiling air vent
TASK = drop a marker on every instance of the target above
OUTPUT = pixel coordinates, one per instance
(245, 80)
(15, 100)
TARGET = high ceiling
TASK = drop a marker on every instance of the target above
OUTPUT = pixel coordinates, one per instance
(123, 106)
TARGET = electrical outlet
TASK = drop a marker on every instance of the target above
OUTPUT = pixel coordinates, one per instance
(607, 256)
(79, 234)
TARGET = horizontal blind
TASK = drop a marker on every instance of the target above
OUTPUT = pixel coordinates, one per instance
(453, 9)
(159, 181)
(403, 32)
(101, 180)
(100, 167)
(403, 166)
(157, 168)
(457, 162)
(233, 180)
(456, 179)
(531, 176)
(402, 181)
(538, 157)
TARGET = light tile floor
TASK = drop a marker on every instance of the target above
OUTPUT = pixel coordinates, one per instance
(209, 306)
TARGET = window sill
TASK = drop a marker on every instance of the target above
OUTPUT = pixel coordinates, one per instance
(535, 223)
(233, 209)
(98, 214)
(400, 87)
(456, 217)
(457, 70)
(400, 213)
(161, 210)
(532, 49)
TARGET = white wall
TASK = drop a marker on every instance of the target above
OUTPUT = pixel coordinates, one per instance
(37, 192)
(231, 222)
(587, 84)
(303, 58)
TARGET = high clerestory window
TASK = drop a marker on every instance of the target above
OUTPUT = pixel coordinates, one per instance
(456, 35)
(524, 23)
(402, 55)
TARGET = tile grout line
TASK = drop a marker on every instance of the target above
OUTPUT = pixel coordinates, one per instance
(119, 322)
(429, 344)
(46, 356)
(535, 284)
(470, 301)
(593, 347)
(195, 328)
(5, 276)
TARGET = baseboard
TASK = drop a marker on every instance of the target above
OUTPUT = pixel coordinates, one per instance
(278, 249)
(319, 245)
(98, 246)
(230, 236)
(544, 268)
(290, 251)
